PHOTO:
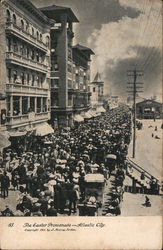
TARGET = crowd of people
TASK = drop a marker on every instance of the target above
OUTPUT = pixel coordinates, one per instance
(49, 173)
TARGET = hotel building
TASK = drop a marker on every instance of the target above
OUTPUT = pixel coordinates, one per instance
(25, 65)
(70, 69)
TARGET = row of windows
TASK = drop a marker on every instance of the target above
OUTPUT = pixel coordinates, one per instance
(41, 105)
(25, 50)
(25, 78)
(24, 25)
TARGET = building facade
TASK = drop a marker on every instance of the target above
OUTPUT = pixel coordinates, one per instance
(149, 109)
(25, 64)
(70, 68)
(97, 90)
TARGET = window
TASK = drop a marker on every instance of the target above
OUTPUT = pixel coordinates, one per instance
(27, 27)
(38, 81)
(56, 66)
(54, 83)
(16, 105)
(37, 34)
(69, 100)
(32, 104)
(94, 89)
(69, 84)
(8, 106)
(8, 44)
(38, 104)
(69, 68)
(37, 57)
(9, 74)
(22, 78)
(24, 105)
(33, 80)
(33, 55)
(44, 104)
(54, 99)
(27, 52)
(15, 46)
(33, 32)
(22, 24)
(28, 78)
(14, 19)
(8, 16)
(15, 76)
(47, 41)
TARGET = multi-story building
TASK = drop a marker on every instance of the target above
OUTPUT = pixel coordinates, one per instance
(25, 62)
(81, 78)
(70, 69)
(97, 90)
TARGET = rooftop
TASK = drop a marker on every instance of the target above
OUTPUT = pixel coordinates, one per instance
(35, 11)
(97, 78)
(55, 12)
(83, 48)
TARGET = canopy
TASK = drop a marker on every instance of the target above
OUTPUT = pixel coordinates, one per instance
(4, 142)
(87, 115)
(111, 156)
(18, 133)
(100, 109)
(44, 129)
(94, 178)
(78, 118)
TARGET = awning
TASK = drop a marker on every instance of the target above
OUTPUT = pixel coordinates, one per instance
(78, 118)
(87, 115)
(92, 113)
(44, 129)
(17, 133)
(101, 109)
(4, 142)
(94, 178)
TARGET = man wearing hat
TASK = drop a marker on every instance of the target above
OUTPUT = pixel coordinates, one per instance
(51, 211)
(5, 184)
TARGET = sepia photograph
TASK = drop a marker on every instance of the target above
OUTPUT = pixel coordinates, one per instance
(81, 108)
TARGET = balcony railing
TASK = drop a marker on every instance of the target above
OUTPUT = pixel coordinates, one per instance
(20, 89)
(17, 31)
(24, 119)
(21, 60)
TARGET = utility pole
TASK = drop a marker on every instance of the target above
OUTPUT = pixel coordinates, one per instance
(134, 90)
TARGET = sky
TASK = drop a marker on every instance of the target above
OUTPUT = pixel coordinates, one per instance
(124, 35)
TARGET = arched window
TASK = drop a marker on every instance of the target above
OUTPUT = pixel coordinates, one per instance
(14, 18)
(41, 37)
(47, 41)
(8, 15)
(27, 26)
(33, 32)
(37, 34)
(22, 24)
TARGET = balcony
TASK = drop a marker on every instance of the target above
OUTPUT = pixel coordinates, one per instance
(42, 116)
(12, 57)
(22, 120)
(12, 28)
(13, 88)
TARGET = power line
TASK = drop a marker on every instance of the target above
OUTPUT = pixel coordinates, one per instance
(135, 88)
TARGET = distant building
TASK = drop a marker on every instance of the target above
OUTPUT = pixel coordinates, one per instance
(149, 109)
(70, 68)
(25, 65)
(81, 78)
(97, 90)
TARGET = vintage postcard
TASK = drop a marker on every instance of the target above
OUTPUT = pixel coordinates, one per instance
(81, 124)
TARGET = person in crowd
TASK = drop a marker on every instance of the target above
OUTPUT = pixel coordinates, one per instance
(5, 184)
(51, 211)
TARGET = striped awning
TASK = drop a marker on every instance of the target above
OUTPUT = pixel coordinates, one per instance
(78, 118)
(4, 142)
